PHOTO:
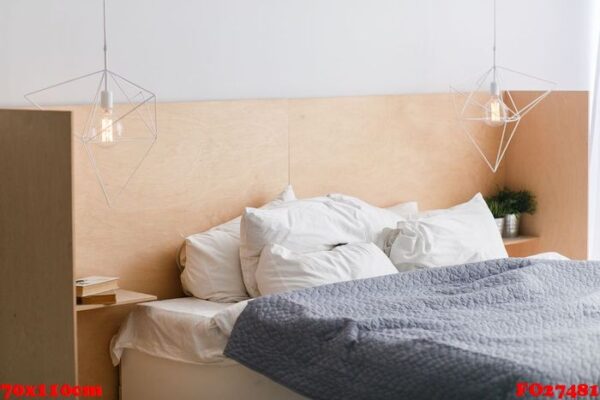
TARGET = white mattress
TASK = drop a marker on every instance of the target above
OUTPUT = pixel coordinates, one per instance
(178, 329)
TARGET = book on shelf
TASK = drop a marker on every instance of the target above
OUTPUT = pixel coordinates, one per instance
(109, 297)
(95, 284)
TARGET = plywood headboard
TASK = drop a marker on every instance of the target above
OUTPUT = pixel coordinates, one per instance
(214, 158)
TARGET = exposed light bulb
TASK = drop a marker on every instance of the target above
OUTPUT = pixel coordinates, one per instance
(107, 136)
(495, 109)
(111, 130)
(495, 112)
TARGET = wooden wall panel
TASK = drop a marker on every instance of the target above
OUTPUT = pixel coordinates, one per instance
(213, 158)
(94, 331)
(386, 149)
(549, 156)
(37, 335)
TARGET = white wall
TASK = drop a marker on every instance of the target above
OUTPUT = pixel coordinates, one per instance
(219, 49)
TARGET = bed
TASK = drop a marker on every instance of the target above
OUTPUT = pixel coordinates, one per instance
(331, 298)
(173, 348)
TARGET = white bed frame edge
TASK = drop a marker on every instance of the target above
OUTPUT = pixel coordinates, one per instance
(152, 378)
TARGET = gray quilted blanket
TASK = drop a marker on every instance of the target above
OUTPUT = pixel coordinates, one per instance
(464, 332)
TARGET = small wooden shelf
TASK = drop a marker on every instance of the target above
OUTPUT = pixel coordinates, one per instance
(123, 297)
(518, 240)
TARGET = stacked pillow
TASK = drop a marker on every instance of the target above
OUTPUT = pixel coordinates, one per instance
(292, 244)
(212, 267)
(461, 234)
(311, 225)
(281, 270)
(213, 270)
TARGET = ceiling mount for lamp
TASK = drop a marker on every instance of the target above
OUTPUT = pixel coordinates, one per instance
(120, 128)
(491, 104)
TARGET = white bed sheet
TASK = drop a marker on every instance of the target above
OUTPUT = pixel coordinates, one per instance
(178, 329)
(190, 330)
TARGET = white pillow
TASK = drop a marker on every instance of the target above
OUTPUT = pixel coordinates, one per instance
(212, 269)
(402, 209)
(405, 209)
(309, 225)
(549, 255)
(281, 270)
(461, 234)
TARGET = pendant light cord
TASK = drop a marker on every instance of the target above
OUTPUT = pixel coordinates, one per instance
(105, 46)
(494, 47)
(289, 146)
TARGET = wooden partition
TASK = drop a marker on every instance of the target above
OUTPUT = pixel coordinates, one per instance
(549, 156)
(214, 158)
(37, 334)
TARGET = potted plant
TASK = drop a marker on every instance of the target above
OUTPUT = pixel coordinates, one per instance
(497, 209)
(514, 203)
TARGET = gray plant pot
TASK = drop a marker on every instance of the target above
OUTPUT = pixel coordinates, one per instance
(500, 224)
(511, 225)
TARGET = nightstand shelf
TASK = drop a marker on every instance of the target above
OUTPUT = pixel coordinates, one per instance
(519, 240)
(123, 297)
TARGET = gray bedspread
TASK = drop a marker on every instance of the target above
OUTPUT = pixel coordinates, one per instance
(464, 332)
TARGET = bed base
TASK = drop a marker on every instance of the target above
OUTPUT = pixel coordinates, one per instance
(152, 378)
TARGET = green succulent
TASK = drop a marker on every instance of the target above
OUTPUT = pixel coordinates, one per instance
(524, 202)
(513, 202)
(496, 207)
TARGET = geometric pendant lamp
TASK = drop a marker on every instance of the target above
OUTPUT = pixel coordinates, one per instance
(487, 107)
(120, 128)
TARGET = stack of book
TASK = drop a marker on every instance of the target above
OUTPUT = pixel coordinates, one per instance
(96, 290)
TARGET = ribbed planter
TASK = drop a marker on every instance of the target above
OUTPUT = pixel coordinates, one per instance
(511, 225)
(500, 224)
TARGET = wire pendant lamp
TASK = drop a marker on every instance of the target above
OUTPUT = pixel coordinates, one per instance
(491, 105)
(120, 128)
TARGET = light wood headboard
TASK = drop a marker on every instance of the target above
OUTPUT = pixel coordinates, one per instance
(214, 158)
